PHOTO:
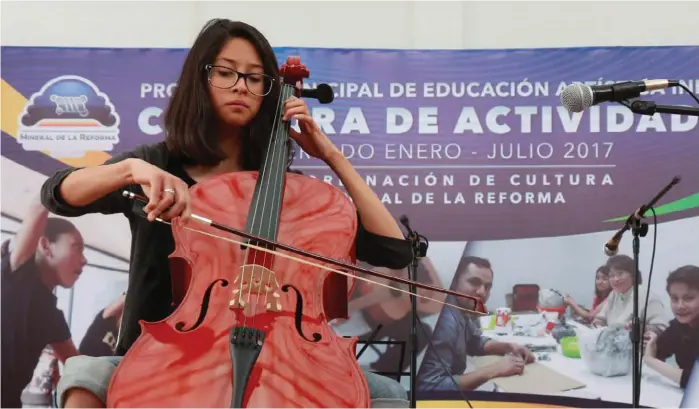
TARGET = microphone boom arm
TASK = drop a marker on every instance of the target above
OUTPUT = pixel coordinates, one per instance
(612, 246)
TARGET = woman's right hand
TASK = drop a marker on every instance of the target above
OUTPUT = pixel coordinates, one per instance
(650, 344)
(168, 194)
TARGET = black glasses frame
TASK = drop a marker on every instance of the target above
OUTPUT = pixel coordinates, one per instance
(240, 75)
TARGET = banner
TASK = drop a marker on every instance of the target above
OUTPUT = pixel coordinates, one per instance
(512, 191)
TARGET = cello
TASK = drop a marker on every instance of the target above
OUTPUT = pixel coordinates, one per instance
(251, 324)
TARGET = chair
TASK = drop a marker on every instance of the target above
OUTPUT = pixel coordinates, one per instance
(371, 342)
(525, 297)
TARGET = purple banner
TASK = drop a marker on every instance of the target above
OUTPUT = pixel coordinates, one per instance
(478, 136)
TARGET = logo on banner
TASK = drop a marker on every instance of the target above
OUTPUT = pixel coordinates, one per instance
(68, 117)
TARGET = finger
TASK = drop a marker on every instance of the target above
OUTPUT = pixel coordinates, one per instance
(300, 137)
(306, 122)
(156, 192)
(293, 102)
(187, 212)
(294, 112)
(179, 203)
(167, 200)
(182, 201)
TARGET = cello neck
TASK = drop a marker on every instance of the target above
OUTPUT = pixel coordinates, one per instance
(265, 207)
(266, 204)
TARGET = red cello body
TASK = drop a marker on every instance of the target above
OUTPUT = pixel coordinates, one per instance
(186, 361)
(251, 329)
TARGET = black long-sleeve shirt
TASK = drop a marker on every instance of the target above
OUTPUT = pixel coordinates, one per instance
(682, 341)
(149, 296)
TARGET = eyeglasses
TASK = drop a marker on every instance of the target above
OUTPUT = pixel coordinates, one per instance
(223, 77)
(616, 275)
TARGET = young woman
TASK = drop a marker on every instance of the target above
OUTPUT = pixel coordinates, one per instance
(617, 309)
(681, 338)
(602, 290)
(47, 252)
(219, 120)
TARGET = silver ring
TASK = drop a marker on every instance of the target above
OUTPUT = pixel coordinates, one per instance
(172, 191)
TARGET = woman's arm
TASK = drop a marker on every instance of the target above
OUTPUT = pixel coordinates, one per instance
(74, 192)
(587, 315)
(85, 186)
(28, 235)
(663, 368)
(97, 189)
(656, 320)
(374, 215)
(600, 317)
(115, 308)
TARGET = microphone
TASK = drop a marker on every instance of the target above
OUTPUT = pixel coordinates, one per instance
(577, 97)
(611, 248)
(323, 93)
(420, 242)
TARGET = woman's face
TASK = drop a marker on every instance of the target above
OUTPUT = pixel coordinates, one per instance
(684, 302)
(65, 256)
(236, 105)
(602, 282)
(620, 280)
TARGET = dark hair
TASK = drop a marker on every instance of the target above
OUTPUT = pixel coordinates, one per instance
(463, 266)
(602, 295)
(56, 226)
(687, 275)
(190, 120)
(624, 263)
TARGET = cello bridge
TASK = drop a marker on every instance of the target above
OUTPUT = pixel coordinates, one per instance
(258, 282)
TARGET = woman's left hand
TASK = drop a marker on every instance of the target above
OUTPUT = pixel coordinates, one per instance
(311, 139)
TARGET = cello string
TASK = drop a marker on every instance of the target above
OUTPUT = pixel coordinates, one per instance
(280, 156)
(275, 151)
(299, 260)
(277, 155)
(265, 170)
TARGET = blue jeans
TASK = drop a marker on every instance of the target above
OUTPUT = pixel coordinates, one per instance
(95, 373)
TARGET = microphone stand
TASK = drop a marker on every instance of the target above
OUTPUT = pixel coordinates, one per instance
(649, 108)
(419, 251)
(638, 229)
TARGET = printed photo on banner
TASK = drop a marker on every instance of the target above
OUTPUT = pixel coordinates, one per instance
(560, 320)
(62, 291)
(515, 194)
(382, 317)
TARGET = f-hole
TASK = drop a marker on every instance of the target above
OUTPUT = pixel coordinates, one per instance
(204, 307)
(298, 314)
